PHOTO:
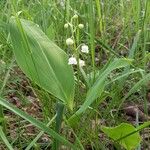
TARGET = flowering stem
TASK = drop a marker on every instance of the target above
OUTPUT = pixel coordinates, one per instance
(78, 34)
(76, 52)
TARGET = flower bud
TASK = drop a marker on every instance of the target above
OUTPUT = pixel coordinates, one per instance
(75, 16)
(69, 41)
(81, 26)
(66, 25)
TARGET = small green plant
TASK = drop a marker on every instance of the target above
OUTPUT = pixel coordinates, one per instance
(125, 134)
(130, 142)
(47, 65)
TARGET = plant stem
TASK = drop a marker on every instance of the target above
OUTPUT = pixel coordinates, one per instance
(59, 111)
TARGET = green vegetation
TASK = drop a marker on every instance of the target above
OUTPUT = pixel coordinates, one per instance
(74, 74)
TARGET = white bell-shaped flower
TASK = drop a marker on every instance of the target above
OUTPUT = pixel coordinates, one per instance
(84, 49)
(72, 61)
(81, 63)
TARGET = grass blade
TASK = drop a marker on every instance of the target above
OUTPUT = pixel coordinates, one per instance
(39, 135)
(35, 122)
(3, 137)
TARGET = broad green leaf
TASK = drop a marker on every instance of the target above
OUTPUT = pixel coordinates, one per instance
(130, 142)
(50, 32)
(139, 128)
(41, 60)
(35, 122)
(96, 90)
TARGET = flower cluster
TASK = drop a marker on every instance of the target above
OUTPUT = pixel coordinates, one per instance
(71, 43)
(73, 61)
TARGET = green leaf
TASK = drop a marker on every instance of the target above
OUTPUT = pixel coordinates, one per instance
(41, 60)
(144, 125)
(130, 142)
(35, 122)
(96, 90)
(138, 129)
